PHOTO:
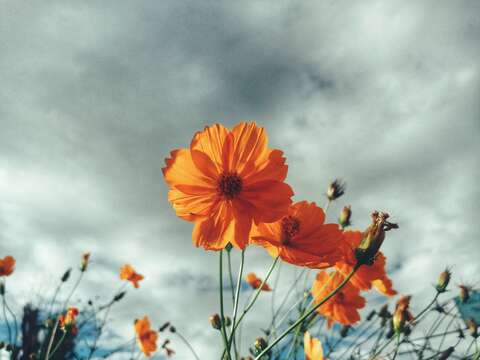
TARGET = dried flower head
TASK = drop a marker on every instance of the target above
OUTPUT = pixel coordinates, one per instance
(216, 321)
(472, 327)
(464, 293)
(373, 238)
(335, 189)
(443, 280)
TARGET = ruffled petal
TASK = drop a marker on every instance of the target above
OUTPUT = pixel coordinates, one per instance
(215, 231)
(210, 141)
(181, 170)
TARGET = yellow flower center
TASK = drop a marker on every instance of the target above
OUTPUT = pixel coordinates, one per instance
(229, 185)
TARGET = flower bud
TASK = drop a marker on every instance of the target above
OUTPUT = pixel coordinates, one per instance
(464, 293)
(472, 327)
(119, 296)
(2, 288)
(344, 330)
(173, 329)
(373, 238)
(335, 190)
(164, 326)
(345, 215)
(384, 313)
(84, 263)
(260, 344)
(443, 281)
(446, 354)
(229, 247)
(66, 275)
(215, 321)
(228, 321)
(371, 315)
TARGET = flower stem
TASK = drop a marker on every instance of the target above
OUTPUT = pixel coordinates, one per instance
(65, 303)
(235, 306)
(185, 341)
(52, 337)
(222, 314)
(307, 314)
(6, 319)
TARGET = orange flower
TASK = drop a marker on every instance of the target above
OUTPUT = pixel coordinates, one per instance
(301, 237)
(7, 265)
(147, 338)
(226, 180)
(312, 347)
(128, 273)
(343, 307)
(366, 275)
(68, 321)
(255, 282)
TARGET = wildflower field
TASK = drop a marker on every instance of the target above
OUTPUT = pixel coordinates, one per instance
(231, 185)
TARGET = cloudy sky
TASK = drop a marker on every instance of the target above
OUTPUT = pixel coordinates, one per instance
(94, 95)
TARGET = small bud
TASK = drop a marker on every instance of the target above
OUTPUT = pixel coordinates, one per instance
(229, 247)
(461, 335)
(260, 344)
(344, 330)
(119, 296)
(2, 288)
(373, 238)
(228, 321)
(84, 263)
(164, 326)
(446, 354)
(216, 321)
(407, 330)
(472, 328)
(172, 329)
(443, 281)
(335, 190)
(90, 302)
(384, 313)
(464, 293)
(165, 343)
(371, 315)
(345, 215)
(66, 275)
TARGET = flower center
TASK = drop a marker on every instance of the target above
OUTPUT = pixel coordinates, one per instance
(290, 228)
(229, 185)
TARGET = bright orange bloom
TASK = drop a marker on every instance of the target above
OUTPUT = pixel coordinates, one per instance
(68, 321)
(226, 180)
(312, 347)
(128, 273)
(146, 337)
(255, 282)
(366, 275)
(7, 265)
(343, 307)
(301, 237)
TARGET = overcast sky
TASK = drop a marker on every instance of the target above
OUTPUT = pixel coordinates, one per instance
(94, 95)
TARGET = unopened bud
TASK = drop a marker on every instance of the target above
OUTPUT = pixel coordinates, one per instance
(66, 275)
(371, 315)
(472, 328)
(2, 288)
(216, 321)
(384, 313)
(344, 330)
(260, 344)
(228, 321)
(373, 238)
(84, 263)
(345, 215)
(172, 329)
(229, 247)
(464, 293)
(446, 354)
(119, 296)
(164, 326)
(335, 190)
(443, 281)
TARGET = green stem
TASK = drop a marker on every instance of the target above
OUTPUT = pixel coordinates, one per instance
(311, 311)
(6, 319)
(222, 314)
(235, 306)
(56, 346)
(52, 337)
(73, 290)
(185, 341)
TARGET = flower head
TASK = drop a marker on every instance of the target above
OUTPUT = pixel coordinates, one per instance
(128, 273)
(7, 265)
(312, 347)
(68, 320)
(146, 337)
(301, 237)
(226, 181)
(341, 308)
(373, 238)
(366, 276)
(256, 282)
